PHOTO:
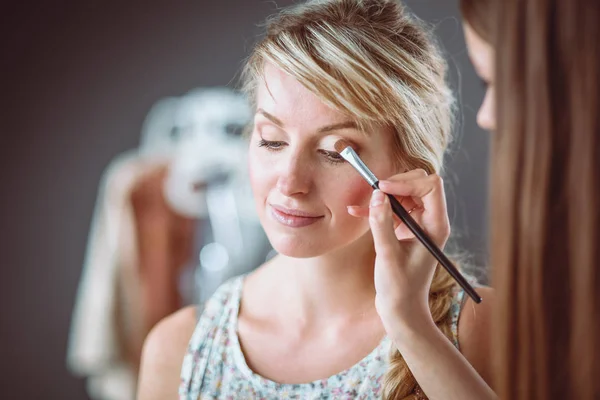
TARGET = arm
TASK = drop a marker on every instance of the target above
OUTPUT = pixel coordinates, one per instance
(404, 271)
(163, 354)
(475, 333)
(441, 370)
(158, 259)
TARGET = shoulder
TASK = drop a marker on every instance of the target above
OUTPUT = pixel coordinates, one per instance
(475, 332)
(222, 299)
(167, 343)
(163, 353)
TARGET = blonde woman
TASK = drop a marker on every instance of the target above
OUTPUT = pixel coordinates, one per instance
(351, 307)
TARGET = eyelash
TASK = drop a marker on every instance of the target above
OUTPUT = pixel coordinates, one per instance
(331, 157)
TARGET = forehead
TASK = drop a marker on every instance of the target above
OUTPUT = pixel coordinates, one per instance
(300, 110)
(282, 95)
(480, 51)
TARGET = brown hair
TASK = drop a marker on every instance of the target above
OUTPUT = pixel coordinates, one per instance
(546, 199)
(373, 61)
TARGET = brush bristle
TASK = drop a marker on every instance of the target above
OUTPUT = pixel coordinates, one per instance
(340, 145)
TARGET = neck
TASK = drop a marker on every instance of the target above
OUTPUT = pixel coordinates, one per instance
(338, 285)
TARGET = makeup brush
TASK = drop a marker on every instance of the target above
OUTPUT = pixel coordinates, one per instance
(347, 152)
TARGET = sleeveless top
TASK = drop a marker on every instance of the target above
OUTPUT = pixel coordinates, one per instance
(214, 366)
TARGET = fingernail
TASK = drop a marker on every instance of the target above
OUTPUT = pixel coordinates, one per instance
(377, 198)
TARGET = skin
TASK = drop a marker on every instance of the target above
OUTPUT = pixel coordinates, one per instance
(482, 57)
(339, 285)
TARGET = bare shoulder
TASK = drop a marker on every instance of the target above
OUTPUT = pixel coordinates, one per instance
(475, 332)
(163, 354)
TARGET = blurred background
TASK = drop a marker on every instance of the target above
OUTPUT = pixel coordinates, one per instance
(85, 88)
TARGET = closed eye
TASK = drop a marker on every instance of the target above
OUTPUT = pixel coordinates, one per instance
(271, 145)
(332, 156)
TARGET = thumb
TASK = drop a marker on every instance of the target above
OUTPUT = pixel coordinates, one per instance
(382, 224)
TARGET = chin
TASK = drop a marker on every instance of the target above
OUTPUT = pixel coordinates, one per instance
(307, 245)
(295, 246)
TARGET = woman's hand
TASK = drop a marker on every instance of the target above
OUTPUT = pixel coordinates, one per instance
(404, 268)
(403, 273)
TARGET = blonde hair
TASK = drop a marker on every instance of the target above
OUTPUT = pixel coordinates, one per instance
(376, 63)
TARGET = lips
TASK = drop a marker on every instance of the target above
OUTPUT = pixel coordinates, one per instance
(292, 217)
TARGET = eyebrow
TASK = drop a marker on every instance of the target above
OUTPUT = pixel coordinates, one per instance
(324, 129)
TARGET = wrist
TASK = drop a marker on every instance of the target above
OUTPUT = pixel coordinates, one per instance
(406, 332)
(404, 321)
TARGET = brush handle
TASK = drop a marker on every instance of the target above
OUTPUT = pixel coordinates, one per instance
(431, 246)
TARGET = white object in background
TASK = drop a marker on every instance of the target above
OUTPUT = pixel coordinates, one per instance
(210, 149)
(208, 180)
(160, 135)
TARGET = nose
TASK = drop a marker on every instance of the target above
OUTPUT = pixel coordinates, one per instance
(294, 175)
(486, 117)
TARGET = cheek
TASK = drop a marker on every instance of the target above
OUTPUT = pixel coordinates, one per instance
(352, 191)
(259, 174)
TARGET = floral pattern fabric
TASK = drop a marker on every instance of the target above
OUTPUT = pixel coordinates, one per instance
(214, 366)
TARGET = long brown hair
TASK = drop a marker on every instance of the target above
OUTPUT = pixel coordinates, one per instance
(546, 198)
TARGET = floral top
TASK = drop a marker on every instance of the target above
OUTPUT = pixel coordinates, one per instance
(214, 366)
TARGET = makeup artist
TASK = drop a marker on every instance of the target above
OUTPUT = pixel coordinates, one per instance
(542, 74)
(351, 307)
(542, 101)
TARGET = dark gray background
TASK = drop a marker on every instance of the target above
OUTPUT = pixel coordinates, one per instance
(77, 80)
